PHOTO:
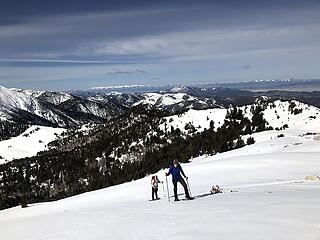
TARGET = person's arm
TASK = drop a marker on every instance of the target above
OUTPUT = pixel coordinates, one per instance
(182, 171)
(170, 172)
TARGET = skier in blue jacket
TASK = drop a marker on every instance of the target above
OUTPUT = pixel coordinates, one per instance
(176, 171)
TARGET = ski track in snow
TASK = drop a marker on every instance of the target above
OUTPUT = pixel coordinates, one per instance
(269, 200)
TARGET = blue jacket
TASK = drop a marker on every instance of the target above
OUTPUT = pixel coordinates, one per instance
(176, 173)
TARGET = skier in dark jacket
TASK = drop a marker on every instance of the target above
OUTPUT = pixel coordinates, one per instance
(176, 171)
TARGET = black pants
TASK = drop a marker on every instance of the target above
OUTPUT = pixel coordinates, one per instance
(175, 188)
(154, 193)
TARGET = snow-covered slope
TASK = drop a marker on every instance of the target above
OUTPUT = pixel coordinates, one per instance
(199, 118)
(175, 101)
(55, 98)
(280, 113)
(158, 99)
(277, 114)
(49, 96)
(12, 99)
(264, 196)
(29, 143)
(52, 108)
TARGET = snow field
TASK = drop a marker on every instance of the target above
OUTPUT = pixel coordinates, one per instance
(164, 99)
(276, 116)
(29, 143)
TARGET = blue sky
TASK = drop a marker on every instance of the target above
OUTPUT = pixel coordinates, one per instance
(79, 44)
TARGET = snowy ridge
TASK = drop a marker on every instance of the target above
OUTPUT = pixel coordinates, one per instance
(120, 86)
(29, 143)
(277, 115)
(52, 108)
(55, 98)
(276, 80)
(162, 100)
(11, 99)
(179, 89)
(33, 93)
(14, 99)
(200, 119)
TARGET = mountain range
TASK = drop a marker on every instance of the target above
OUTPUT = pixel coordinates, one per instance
(71, 109)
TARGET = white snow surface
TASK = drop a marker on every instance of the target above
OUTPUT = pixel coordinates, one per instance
(28, 144)
(200, 119)
(50, 96)
(269, 199)
(56, 98)
(166, 99)
(277, 116)
(12, 99)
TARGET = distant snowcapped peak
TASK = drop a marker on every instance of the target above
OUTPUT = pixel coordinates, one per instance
(276, 80)
(179, 89)
(119, 87)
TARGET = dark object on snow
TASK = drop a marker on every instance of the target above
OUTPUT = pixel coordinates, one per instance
(187, 199)
(215, 189)
(24, 205)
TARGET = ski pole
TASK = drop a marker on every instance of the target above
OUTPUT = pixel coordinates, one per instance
(189, 187)
(164, 194)
(167, 188)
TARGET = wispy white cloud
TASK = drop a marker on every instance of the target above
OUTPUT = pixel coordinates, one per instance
(212, 44)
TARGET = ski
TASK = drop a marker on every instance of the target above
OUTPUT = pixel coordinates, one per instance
(152, 200)
(187, 199)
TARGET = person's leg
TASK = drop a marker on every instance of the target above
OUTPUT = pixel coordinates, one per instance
(153, 192)
(175, 190)
(183, 183)
(156, 192)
